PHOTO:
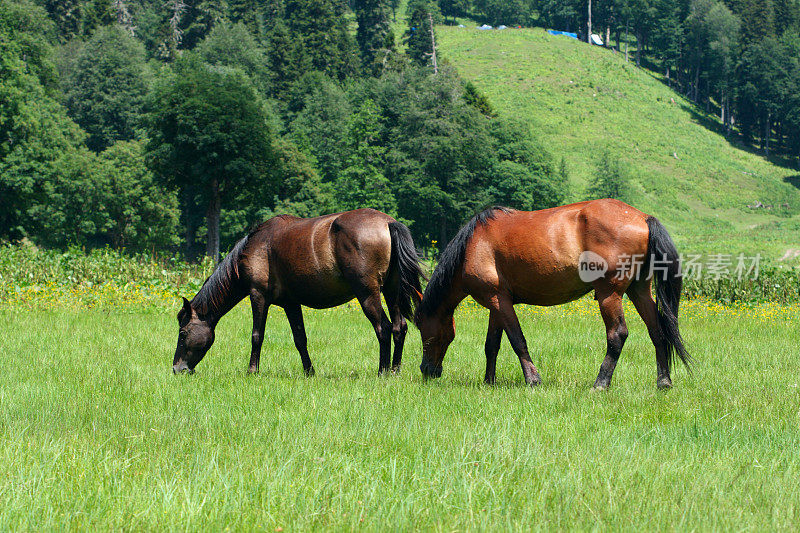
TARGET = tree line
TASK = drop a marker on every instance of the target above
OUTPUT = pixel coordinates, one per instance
(737, 58)
(175, 125)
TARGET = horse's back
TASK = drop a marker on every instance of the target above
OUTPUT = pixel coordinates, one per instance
(310, 258)
(535, 254)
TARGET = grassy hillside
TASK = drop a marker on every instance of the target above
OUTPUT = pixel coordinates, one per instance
(581, 100)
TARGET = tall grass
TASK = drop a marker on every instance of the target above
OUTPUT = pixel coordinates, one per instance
(98, 434)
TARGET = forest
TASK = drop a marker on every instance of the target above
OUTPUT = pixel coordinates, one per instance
(174, 126)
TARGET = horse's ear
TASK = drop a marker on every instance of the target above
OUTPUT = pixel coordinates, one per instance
(419, 294)
(186, 310)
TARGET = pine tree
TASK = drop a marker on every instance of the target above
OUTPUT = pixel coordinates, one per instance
(419, 44)
(758, 20)
(284, 59)
(321, 28)
(68, 16)
(372, 33)
(248, 13)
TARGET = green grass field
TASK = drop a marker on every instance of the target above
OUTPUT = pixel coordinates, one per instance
(97, 433)
(581, 100)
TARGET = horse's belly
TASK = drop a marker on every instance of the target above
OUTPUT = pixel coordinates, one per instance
(319, 292)
(546, 299)
(549, 288)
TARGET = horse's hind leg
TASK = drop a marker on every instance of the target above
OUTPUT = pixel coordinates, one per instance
(399, 329)
(371, 305)
(642, 299)
(616, 333)
(493, 337)
(295, 315)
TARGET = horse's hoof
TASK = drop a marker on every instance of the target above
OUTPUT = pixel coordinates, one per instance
(599, 388)
(535, 382)
(310, 372)
(664, 383)
(396, 369)
(252, 370)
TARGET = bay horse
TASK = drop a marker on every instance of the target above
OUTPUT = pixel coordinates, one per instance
(502, 257)
(317, 262)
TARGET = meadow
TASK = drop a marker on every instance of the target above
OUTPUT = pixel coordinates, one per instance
(97, 432)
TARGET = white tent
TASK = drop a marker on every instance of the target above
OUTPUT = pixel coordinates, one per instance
(597, 40)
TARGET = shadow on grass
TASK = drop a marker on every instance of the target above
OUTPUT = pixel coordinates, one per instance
(794, 181)
(735, 140)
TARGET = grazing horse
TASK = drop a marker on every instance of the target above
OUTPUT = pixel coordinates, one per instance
(317, 262)
(550, 257)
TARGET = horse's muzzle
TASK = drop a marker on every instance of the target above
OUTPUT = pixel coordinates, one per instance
(430, 371)
(182, 367)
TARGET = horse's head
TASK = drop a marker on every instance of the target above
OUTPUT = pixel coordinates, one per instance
(437, 334)
(195, 337)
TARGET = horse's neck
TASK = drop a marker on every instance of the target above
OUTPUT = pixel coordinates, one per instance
(219, 304)
(230, 302)
(449, 304)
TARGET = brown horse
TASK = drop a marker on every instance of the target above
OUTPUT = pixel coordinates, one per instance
(317, 262)
(550, 257)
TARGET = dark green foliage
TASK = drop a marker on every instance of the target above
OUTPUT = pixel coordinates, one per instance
(320, 125)
(139, 214)
(611, 180)
(524, 176)
(454, 8)
(373, 33)
(667, 35)
(38, 142)
(321, 29)
(209, 137)
(285, 61)
(419, 46)
(28, 27)
(300, 190)
(105, 89)
(477, 99)
(508, 12)
(246, 12)
(67, 15)
(425, 148)
(199, 19)
(362, 182)
(234, 46)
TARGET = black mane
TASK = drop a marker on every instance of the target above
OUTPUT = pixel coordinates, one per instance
(451, 260)
(216, 292)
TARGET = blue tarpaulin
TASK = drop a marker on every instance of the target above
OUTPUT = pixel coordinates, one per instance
(565, 33)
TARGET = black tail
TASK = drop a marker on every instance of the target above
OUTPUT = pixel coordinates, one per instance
(405, 259)
(664, 260)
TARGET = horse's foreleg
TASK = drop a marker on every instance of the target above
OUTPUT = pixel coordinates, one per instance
(493, 337)
(259, 305)
(295, 315)
(616, 333)
(510, 322)
(643, 301)
(371, 305)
